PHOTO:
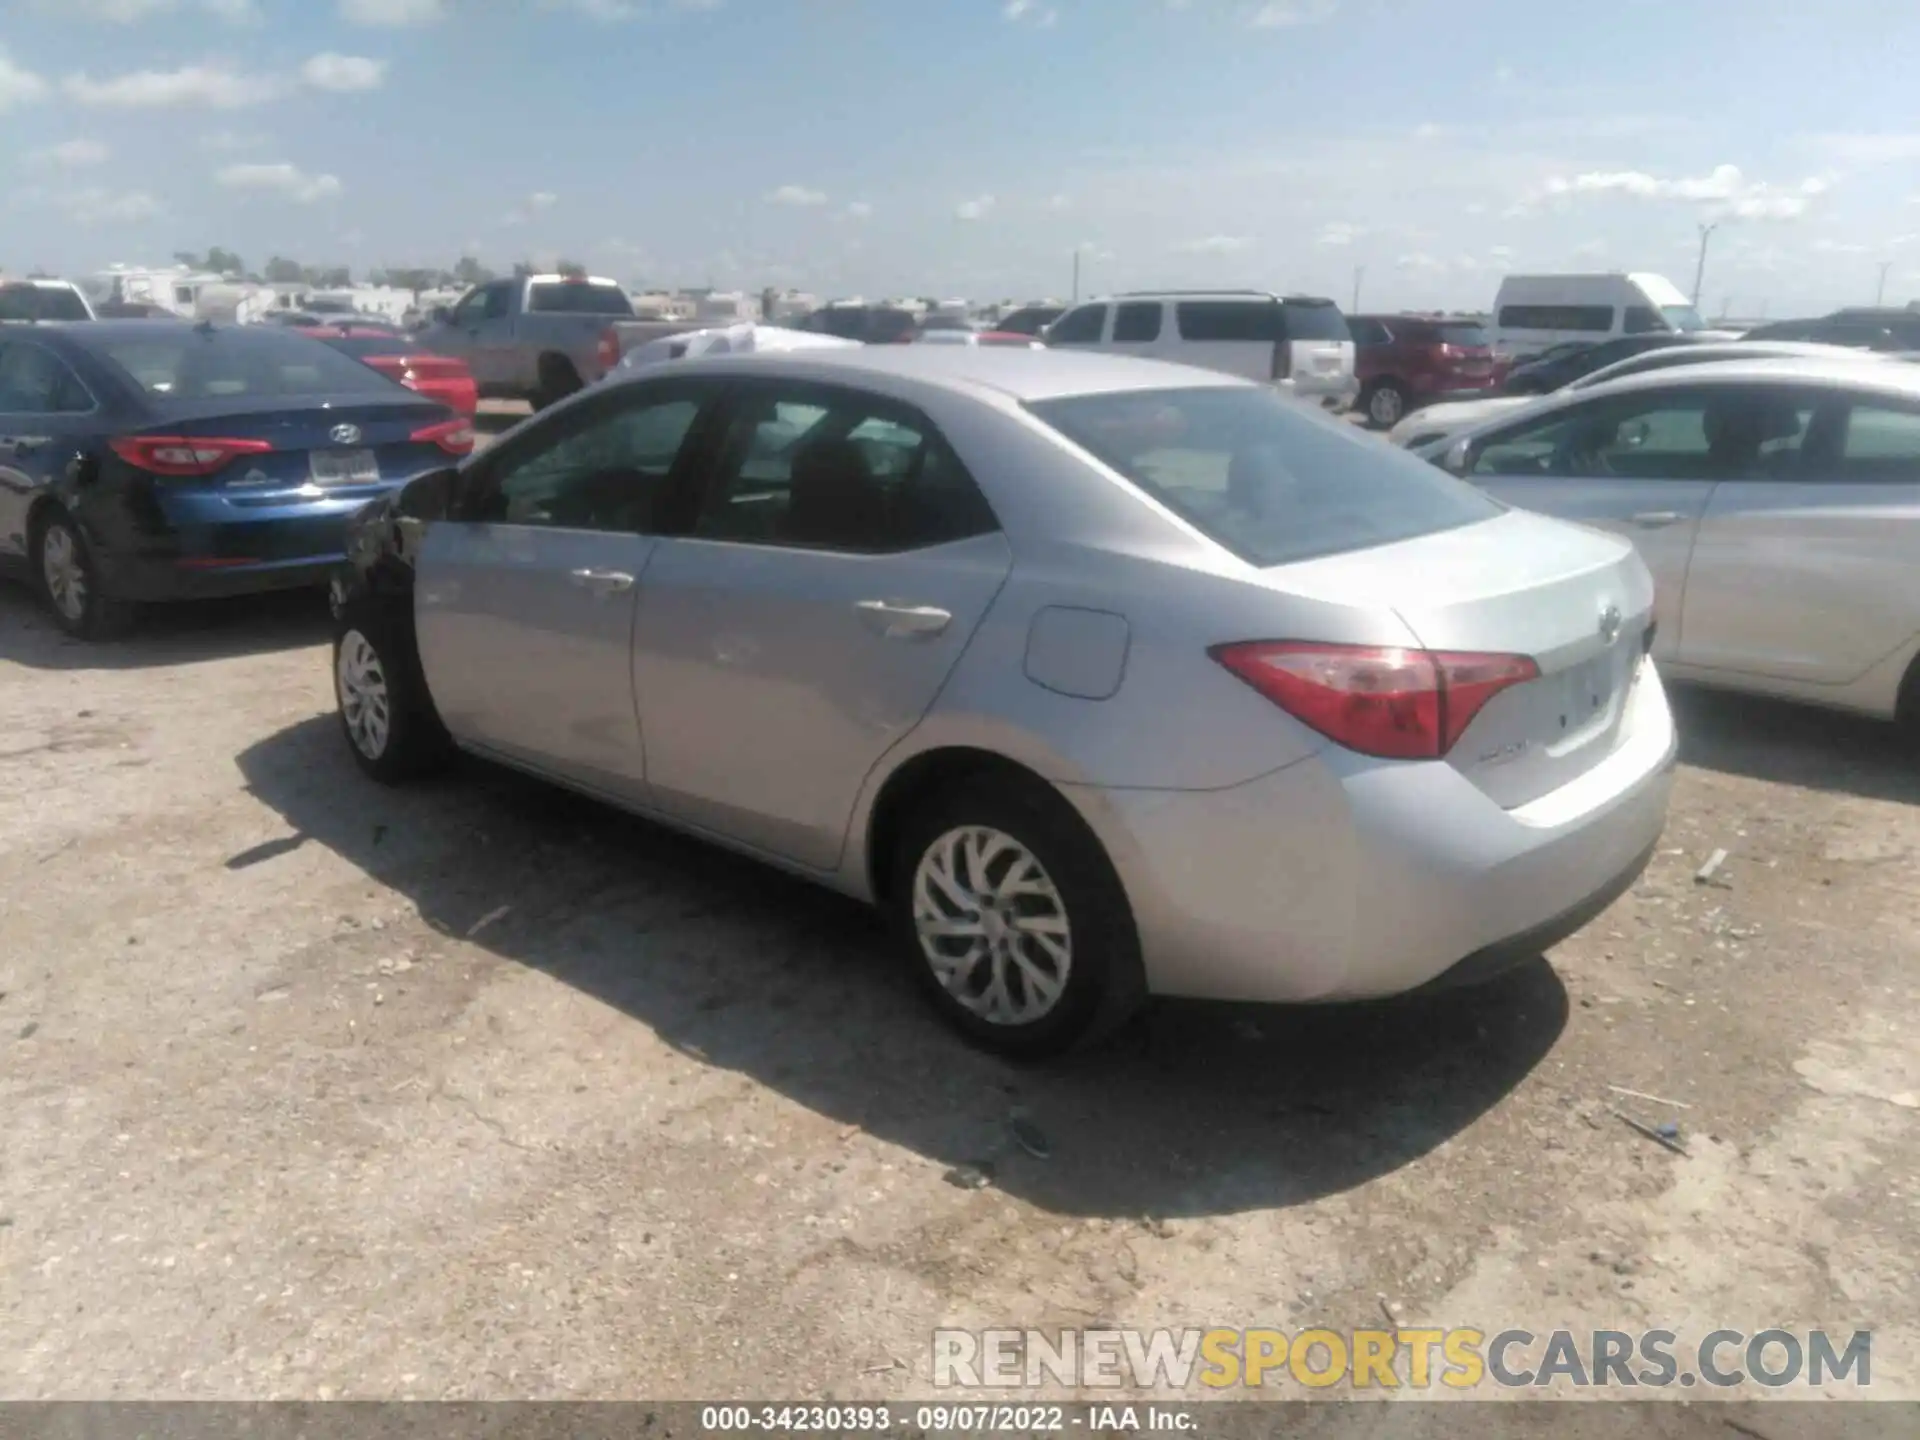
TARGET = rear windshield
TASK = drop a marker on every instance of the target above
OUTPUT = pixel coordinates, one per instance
(247, 360)
(578, 297)
(1308, 321)
(41, 302)
(1466, 335)
(363, 345)
(1264, 476)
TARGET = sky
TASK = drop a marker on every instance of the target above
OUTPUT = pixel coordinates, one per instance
(1412, 150)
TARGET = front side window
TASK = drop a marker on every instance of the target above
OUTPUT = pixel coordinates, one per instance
(604, 470)
(34, 381)
(826, 469)
(1717, 434)
(1261, 475)
(1137, 322)
(1079, 327)
(1369, 332)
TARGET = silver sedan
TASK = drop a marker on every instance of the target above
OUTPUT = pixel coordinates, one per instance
(1102, 677)
(1775, 502)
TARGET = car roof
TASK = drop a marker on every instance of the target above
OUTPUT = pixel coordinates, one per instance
(1018, 374)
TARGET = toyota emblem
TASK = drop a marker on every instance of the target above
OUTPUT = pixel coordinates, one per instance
(1610, 624)
(344, 434)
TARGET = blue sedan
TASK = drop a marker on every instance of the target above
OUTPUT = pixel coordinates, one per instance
(145, 461)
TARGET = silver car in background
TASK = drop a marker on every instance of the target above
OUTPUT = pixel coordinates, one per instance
(1777, 503)
(1101, 677)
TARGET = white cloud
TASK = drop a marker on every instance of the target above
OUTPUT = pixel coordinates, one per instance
(71, 154)
(1723, 191)
(1339, 232)
(18, 86)
(1590, 249)
(95, 206)
(1839, 247)
(283, 178)
(1865, 149)
(1280, 14)
(343, 73)
(799, 195)
(227, 140)
(1216, 245)
(860, 210)
(1058, 203)
(977, 208)
(132, 12)
(1421, 262)
(597, 9)
(212, 86)
(393, 14)
(542, 200)
(1019, 11)
(535, 203)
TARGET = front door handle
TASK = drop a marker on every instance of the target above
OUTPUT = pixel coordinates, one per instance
(899, 621)
(1654, 519)
(602, 582)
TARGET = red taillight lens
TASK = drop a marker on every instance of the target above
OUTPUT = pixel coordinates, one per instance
(183, 454)
(607, 352)
(1399, 704)
(453, 436)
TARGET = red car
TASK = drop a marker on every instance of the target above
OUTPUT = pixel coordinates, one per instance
(1405, 361)
(440, 377)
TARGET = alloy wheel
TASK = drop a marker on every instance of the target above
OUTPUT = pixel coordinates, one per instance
(64, 571)
(1386, 406)
(992, 925)
(365, 704)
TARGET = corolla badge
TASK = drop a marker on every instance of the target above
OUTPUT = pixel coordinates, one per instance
(344, 434)
(1610, 622)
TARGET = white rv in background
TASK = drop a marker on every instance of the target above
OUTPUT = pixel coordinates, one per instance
(1534, 312)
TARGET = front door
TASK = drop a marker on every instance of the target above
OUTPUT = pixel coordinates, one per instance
(839, 562)
(480, 331)
(524, 601)
(1640, 465)
(1805, 572)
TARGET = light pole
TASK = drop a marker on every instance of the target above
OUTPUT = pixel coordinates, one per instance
(1359, 274)
(1880, 294)
(1700, 269)
(1076, 274)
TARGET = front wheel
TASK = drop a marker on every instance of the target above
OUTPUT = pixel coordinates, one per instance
(1386, 404)
(1013, 920)
(386, 713)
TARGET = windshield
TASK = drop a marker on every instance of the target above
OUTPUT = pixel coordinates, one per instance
(251, 360)
(41, 302)
(1467, 336)
(578, 297)
(1264, 476)
(1683, 317)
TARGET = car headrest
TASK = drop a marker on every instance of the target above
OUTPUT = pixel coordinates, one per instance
(834, 500)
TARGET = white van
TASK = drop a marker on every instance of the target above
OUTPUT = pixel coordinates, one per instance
(1533, 312)
(1300, 344)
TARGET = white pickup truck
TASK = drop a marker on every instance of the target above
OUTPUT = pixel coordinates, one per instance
(539, 337)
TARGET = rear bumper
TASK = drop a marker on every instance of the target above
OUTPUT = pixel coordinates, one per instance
(1343, 878)
(1331, 392)
(148, 580)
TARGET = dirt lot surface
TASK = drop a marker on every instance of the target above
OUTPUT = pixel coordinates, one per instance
(479, 1090)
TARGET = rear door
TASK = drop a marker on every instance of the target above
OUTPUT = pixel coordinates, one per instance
(1319, 351)
(1636, 465)
(1804, 572)
(1137, 328)
(480, 332)
(524, 602)
(1241, 337)
(1084, 325)
(840, 561)
(46, 415)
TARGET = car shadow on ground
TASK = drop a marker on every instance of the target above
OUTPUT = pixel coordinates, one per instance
(1192, 1110)
(1795, 745)
(179, 634)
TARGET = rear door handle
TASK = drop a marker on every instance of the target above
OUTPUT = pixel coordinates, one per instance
(602, 582)
(898, 621)
(1654, 519)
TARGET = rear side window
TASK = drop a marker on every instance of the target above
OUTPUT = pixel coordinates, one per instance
(1595, 318)
(1217, 320)
(41, 302)
(1722, 433)
(576, 297)
(1265, 477)
(1136, 322)
(1079, 327)
(1314, 320)
(34, 381)
(1372, 332)
(248, 360)
(1641, 320)
(1880, 444)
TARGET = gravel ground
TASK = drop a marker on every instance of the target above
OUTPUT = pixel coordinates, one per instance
(479, 1090)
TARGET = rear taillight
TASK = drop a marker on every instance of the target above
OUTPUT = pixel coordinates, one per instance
(1379, 700)
(607, 352)
(183, 454)
(453, 436)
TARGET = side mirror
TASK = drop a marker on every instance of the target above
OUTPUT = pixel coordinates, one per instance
(441, 315)
(430, 496)
(1459, 457)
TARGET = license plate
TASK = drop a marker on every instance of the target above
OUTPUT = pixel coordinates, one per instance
(1587, 692)
(345, 467)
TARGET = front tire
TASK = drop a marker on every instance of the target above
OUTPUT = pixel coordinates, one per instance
(1012, 919)
(386, 713)
(1386, 404)
(70, 584)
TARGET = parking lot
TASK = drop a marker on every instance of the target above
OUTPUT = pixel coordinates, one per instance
(481, 1090)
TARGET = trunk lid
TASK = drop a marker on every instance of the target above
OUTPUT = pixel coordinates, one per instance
(320, 451)
(1576, 601)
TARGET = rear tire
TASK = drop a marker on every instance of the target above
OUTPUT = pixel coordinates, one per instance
(1385, 404)
(386, 712)
(558, 380)
(68, 579)
(1012, 919)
